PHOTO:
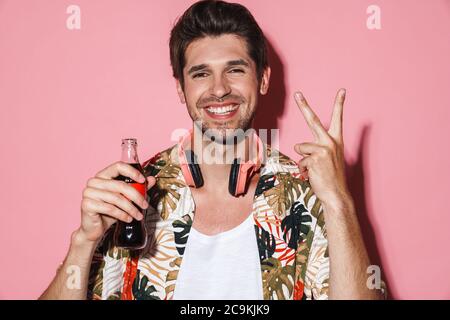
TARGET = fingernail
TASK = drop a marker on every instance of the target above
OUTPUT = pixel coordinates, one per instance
(299, 96)
(144, 205)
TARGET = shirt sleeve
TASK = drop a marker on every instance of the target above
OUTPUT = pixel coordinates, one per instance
(318, 266)
(95, 282)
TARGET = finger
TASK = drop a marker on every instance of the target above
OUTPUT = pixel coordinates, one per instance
(119, 187)
(306, 162)
(311, 118)
(109, 221)
(151, 181)
(115, 199)
(303, 166)
(90, 206)
(121, 168)
(306, 148)
(336, 119)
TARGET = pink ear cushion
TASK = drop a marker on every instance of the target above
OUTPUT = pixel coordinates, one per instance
(244, 175)
(187, 174)
(241, 182)
(183, 161)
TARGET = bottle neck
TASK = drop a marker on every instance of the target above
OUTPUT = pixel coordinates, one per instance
(129, 153)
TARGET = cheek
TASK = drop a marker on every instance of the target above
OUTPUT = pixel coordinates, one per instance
(251, 98)
(248, 87)
(194, 93)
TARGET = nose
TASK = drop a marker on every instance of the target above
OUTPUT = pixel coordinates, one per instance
(220, 87)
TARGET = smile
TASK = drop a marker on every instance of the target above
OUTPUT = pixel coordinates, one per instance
(224, 110)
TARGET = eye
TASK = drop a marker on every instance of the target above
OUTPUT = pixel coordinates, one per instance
(237, 71)
(200, 75)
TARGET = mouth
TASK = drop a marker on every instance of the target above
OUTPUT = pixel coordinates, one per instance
(221, 112)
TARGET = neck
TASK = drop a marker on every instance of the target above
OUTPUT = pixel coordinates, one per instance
(216, 176)
(216, 160)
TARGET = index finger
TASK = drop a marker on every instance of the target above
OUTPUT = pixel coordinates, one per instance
(311, 118)
(121, 168)
(336, 119)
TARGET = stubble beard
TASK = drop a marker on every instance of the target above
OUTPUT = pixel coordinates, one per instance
(223, 133)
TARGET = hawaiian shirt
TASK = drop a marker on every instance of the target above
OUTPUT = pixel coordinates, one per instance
(289, 226)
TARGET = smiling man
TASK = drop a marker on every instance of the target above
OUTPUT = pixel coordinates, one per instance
(259, 227)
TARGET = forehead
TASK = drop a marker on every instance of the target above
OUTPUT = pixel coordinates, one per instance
(216, 50)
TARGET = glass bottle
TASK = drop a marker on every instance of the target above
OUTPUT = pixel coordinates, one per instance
(133, 235)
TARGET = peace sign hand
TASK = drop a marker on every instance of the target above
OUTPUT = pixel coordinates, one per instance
(323, 161)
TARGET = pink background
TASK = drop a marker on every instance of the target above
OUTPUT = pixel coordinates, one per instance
(67, 97)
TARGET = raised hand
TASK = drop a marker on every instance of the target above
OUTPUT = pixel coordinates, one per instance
(323, 160)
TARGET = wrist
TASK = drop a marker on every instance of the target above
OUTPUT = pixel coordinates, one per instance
(342, 204)
(79, 240)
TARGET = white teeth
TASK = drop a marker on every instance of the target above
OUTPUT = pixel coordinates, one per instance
(222, 110)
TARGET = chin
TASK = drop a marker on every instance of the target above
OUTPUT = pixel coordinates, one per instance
(224, 134)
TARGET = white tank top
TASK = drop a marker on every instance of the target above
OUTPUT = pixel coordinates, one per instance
(225, 266)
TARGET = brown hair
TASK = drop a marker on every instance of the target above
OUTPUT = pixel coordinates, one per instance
(215, 18)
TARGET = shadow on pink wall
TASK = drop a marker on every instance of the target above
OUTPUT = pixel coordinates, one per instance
(357, 186)
(271, 106)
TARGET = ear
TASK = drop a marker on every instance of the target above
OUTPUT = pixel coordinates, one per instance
(264, 87)
(180, 92)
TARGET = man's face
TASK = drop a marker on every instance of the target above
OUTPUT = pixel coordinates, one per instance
(220, 84)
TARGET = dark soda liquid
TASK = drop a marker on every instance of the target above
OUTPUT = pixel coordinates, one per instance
(133, 235)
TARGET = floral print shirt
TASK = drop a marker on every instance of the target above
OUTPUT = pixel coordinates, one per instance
(289, 226)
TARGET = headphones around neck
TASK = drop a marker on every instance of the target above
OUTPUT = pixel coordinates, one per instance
(240, 173)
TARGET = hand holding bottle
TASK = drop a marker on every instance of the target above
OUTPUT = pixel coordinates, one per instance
(115, 194)
(106, 200)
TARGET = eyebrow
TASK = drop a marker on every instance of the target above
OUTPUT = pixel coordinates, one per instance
(239, 62)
